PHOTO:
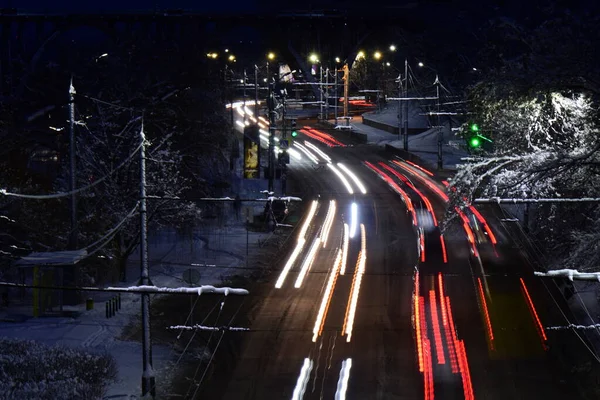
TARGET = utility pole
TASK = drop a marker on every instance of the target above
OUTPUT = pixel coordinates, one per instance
(399, 105)
(406, 105)
(72, 148)
(346, 86)
(326, 94)
(321, 92)
(335, 111)
(270, 105)
(440, 138)
(148, 378)
(245, 96)
(255, 91)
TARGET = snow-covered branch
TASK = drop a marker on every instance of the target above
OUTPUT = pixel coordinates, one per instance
(199, 290)
(206, 328)
(571, 274)
(572, 326)
(555, 200)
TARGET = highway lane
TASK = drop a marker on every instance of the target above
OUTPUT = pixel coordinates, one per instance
(480, 291)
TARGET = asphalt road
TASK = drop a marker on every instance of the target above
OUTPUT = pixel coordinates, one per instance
(453, 320)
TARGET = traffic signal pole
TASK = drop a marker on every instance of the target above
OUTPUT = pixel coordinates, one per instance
(271, 133)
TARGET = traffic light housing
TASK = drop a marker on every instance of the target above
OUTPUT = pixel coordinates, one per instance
(293, 129)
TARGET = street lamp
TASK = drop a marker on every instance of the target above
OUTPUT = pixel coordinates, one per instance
(313, 58)
(271, 56)
(392, 48)
(360, 54)
(231, 57)
(337, 60)
(377, 55)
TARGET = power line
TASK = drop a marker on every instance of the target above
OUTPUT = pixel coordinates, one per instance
(78, 190)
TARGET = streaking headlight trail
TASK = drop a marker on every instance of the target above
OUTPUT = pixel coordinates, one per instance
(345, 249)
(342, 386)
(302, 379)
(353, 219)
(319, 151)
(307, 152)
(342, 178)
(299, 245)
(319, 322)
(355, 289)
(328, 222)
(352, 176)
(308, 261)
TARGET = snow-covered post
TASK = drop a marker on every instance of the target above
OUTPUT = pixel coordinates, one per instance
(406, 106)
(148, 378)
(440, 135)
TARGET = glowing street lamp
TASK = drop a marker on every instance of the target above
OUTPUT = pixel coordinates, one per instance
(377, 55)
(337, 60)
(361, 54)
(421, 64)
(313, 58)
(392, 48)
(271, 56)
(231, 57)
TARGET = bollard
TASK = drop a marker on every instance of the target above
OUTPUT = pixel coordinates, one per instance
(119, 301)
(114, 305)
(107, 310)
(89, 304)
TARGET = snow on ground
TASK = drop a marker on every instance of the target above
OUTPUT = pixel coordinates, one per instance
(170, 254)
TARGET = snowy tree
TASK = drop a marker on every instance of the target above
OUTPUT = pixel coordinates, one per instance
(540, 109)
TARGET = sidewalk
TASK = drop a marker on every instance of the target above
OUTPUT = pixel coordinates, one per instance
(212, 250)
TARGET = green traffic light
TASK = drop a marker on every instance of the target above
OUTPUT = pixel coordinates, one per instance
(475, 142)
(474, 127)
(294, 133)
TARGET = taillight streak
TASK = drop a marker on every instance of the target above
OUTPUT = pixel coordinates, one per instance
(417, 191)
(437, 334)
(486, 314)
(461, 354)
(484, 223)
(539, 325)
(396, 188)
(431, 185)
(325, 136)
(419, 167)
(444, 248)
(317, 137)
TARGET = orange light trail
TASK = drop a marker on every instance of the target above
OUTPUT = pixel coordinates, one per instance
(444, 248)
(419, 167)
(396, 188)
(418, 323)
(325, 136)
(486, 314)
(437, 335)
(428, 373)
(427, 181)
(461, 353)
(409, 184)
(467, 229)
(447, 327)
(533, 311)
(317, 137)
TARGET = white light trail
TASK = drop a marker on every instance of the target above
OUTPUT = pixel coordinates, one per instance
(307, 152)
(302, 379)
(240, 111)
(248, 111)
(261, 125)
(289, 263)
(342, 386)
(328, 222)
(319, 151)
(240, 123)
(353, 301)
(263, 120)
(247, 123)
(345, 250)
(326, 298)
(353, 219)
(295, 154)
(351, 174)
(308, 261)
(342, 178)
(299, 245)
(311, 214)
